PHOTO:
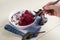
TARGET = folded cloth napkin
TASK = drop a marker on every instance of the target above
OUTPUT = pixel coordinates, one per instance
(35, 27)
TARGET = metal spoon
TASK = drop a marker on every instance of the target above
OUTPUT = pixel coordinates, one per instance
(55, 2)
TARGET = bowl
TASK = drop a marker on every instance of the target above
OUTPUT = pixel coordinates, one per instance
(13, 21)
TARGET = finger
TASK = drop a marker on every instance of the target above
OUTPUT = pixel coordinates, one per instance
(50, 10)
(49, 7)
(50, 3)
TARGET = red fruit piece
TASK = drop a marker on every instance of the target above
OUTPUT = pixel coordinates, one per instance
(26, 18)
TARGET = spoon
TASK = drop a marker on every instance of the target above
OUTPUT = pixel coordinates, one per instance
(55, 2)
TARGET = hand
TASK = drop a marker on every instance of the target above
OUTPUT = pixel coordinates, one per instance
(52, 9)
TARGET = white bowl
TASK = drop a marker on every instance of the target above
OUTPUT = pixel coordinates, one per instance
(18, 26)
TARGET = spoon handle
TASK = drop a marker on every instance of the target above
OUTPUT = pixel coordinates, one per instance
(55, 2)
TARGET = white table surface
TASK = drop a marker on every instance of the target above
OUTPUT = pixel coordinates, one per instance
(7, 6)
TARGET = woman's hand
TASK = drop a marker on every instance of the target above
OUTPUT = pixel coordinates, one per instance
(52, 9)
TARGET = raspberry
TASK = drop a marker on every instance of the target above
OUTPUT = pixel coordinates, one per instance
(26, 18)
